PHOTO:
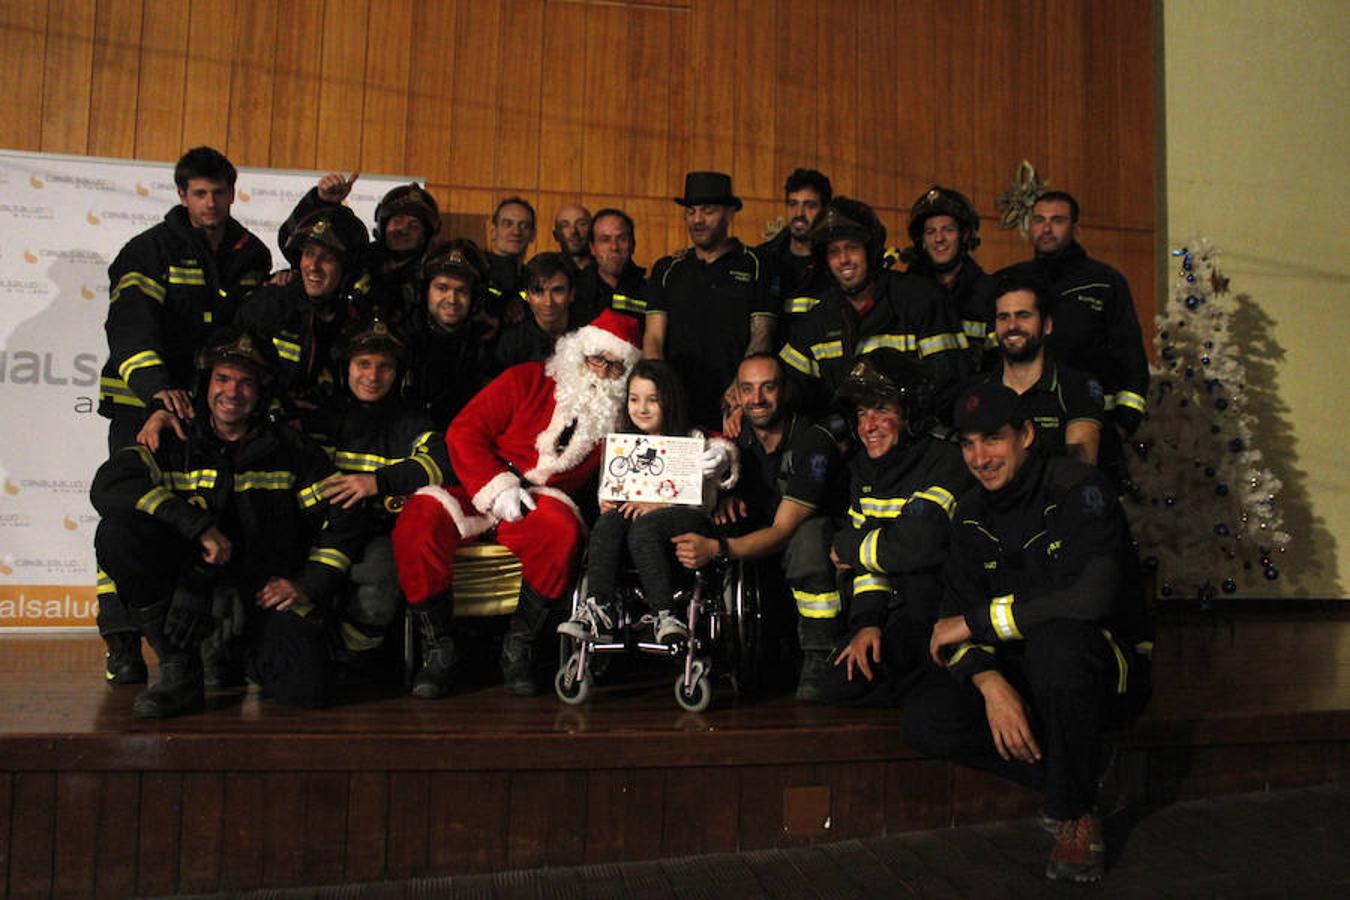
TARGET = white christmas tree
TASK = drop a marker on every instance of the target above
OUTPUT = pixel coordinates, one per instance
(1203, 506)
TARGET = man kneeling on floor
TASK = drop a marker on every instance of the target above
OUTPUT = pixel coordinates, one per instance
(522, 448)
(1045, 630)
(227, 517)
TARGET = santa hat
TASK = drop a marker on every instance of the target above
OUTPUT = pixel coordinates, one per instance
(613, 333)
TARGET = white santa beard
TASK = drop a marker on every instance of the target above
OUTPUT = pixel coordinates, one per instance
(582, 397)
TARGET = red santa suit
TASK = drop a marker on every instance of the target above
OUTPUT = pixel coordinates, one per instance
(540, 427)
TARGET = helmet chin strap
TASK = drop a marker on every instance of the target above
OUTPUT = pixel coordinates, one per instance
(867, 283)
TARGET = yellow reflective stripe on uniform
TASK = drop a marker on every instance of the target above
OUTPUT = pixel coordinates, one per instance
(940, 343)
(828, 350)
(1130, 400)
(1001, 618)
(287, 350)
(1122, 664)
(348, 461)
(195, 480)
(434, 474)
(250, 281)
(1144, 649)
(965, 647)
(974, 329)
(146, 359)
(362, 284)
(329, 557)
(148, 460)
(625, 303)
(798, 305)
(207, 317)
(496, 292)
(904, 342)
(105, 584)
(862, 584)
(356, 640)
(882, 507)
(147, 285)
(818, 606)
(797, 360)
(151, 499)
(867, 551)
(186, 275)
(935, 493)
(263, 481)
(310, 496)
(116, 391)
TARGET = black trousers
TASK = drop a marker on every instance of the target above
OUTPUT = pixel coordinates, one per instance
(904, 655)
(1076, 684)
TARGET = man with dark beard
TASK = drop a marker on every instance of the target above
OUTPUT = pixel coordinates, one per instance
(796, 278)
(522, 449)
(1064, 404)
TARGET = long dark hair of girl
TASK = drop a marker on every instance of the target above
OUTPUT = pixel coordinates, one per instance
(670, 394)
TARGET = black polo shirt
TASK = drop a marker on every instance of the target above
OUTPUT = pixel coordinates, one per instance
(805, 468)
(506, 279)
(592, 295)
(1062, 396)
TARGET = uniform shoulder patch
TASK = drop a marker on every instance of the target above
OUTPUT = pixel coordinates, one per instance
(816, 465)
(1094, 501)
(1094, 389)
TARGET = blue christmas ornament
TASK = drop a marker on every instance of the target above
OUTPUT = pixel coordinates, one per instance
(1221, 530)
(1229, 586)
(1190, 371)
(1214, 429)
(1204, 360)
(1190, 279)
(1169, 353)
(1192, 301)
(1209, 471)
(1180, 251)
(1236, 445)
(1221, 490)
(1166, 589)
(1187, 262)
(1209, 345)
(1184, 403)
(1170, 500)
(1151, 563)
(1271, 573)
(1221, 403)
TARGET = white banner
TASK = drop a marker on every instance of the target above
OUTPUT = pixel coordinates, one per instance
(62, 221)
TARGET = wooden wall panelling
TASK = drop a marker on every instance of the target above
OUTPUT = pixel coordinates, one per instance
(1101, 81)
(691, 825)
(159, 104)
(206, 95)
(430, 131)
(607, 133)
(1138, 261)
(760, 800)
(547, 818)
(838, 72)
(518, 93)
(199, 861)
(6, 825)
(1137, 114)
(680, 99)
(918, 795)
(1067, 159)
(750, 222)
(756, 38)
(295, 96)
(473, 116)
(914, 57)
(878, 104)
(856, 809)
(252, 82)
(325, 831)
(992, 72)
(158, 849)
(565, 97)
(118, 809)
(384, 111)
(796, 90)
(409, 817)
(710, 116)
(31, 843)
(283, 829)
(367, 821)
(23, 44)
(115, 78)
(342, 70)
(468, 821)
(953, 101)
(246, 815)
(623, 814)
(76, 832)
(656, 220)
(654, 70)
(66, 72)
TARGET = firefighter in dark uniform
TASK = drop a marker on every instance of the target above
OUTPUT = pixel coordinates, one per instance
(708, 305)
(797, 278)
(384, 450)
(305, 317)
(448, 349)
(904, 485)
(511, 232)
(612, 281)
(944, 231)
(866, 308)
(230, 518)
(170, 287)
(1064, 404)
(1044, 630)
(787, 505)
(1096, 327)
(383, 276)
(548, 300)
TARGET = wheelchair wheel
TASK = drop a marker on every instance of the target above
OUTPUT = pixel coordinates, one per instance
(744, 636)
(572, 689)
(697, 698)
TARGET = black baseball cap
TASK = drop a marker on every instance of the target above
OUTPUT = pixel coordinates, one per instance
(986, 407)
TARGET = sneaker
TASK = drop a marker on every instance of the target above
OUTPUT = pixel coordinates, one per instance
(1079, 853)
(669, 629)
(590, 622)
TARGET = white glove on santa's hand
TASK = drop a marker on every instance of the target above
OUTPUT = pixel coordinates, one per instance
(715, 460)
(512, 504)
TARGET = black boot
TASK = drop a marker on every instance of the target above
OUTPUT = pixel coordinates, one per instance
(439, 658)
(529, 620)
(181, 688)
(124, 663)
(817, 638)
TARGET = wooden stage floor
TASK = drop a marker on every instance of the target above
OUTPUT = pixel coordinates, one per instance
(251, 794)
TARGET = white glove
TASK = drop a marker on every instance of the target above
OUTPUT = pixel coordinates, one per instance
(512, 504)
(715, 460)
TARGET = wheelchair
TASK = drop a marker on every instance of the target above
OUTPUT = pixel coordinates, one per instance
(725, 620)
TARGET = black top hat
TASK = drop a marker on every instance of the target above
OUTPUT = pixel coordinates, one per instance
(708, 188)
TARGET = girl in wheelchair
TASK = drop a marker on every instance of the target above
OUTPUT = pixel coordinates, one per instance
(656, 406)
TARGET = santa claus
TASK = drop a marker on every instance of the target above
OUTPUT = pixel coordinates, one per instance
(520, 448)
